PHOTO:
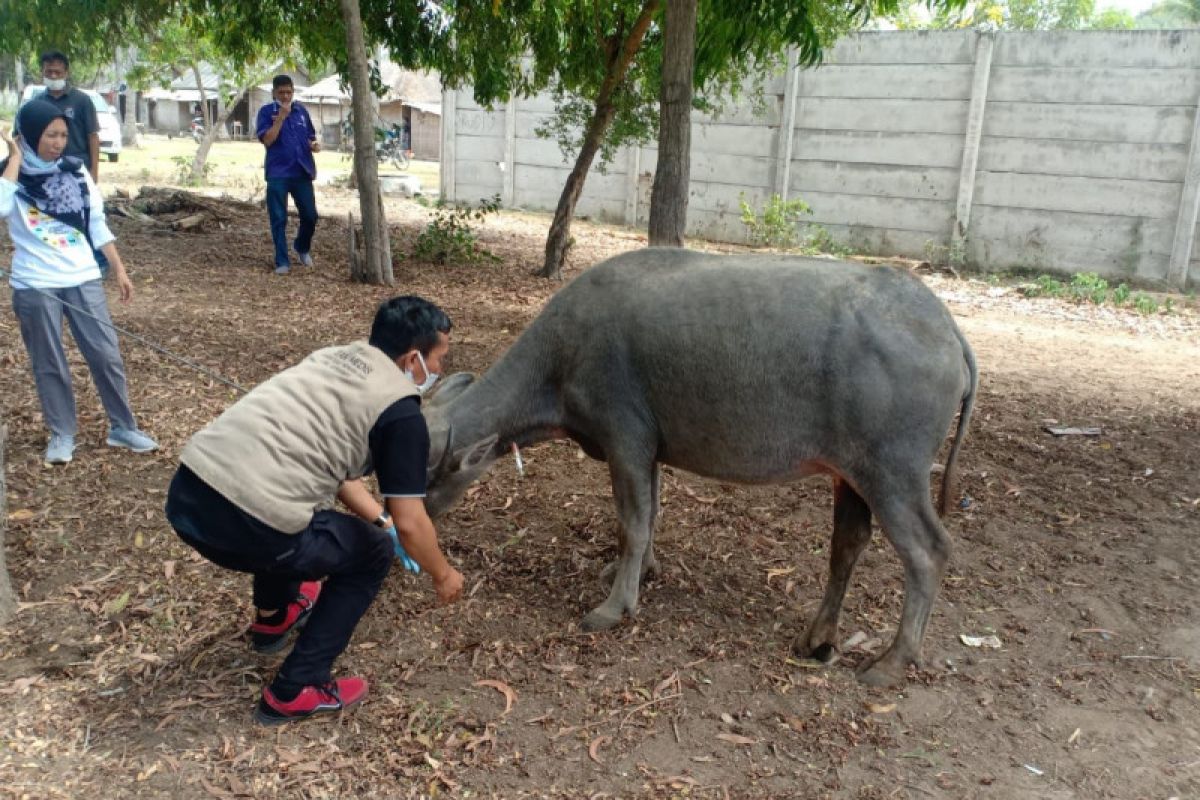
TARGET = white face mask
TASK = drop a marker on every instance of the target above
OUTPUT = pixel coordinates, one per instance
(56, 85)
(430, 377)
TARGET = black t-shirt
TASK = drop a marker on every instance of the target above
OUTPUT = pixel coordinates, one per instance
(399, 444)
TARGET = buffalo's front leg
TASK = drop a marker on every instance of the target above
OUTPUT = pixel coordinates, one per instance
(650, 566)
(634, 496)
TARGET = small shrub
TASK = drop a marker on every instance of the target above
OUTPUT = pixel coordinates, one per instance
(1145, 304)
(449, 235)
(1120, 295)
(819, 240)
(936, 253)
(1089, 286)
(778, 224)
(1044, 286)
(183, 171)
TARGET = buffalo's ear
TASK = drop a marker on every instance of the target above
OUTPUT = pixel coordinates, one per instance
(447, 389)
(439, 445)
(475, 454)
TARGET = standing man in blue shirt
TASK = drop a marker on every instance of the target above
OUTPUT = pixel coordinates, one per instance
(287, 131)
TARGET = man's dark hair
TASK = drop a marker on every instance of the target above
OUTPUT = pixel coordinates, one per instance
(403, 323)
(55, 55)
(281, 80)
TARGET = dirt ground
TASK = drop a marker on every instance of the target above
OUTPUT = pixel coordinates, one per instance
(125, 673)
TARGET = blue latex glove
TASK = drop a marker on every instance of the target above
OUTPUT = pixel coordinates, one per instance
(398, 548)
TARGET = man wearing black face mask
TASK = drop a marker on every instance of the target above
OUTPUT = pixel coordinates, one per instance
(83, 126)
(249, 486)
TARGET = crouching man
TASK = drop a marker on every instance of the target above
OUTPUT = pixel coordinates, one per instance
(249, 486)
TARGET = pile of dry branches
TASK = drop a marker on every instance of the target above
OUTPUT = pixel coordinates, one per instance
(177, 209)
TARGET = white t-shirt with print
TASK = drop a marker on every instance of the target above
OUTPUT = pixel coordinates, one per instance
(48, 254)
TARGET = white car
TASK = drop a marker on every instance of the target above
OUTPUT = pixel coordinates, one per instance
(110, 124)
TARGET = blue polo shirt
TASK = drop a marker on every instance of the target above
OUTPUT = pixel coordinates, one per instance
(289, 156)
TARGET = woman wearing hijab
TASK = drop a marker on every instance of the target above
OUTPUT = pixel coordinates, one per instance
(55, 217)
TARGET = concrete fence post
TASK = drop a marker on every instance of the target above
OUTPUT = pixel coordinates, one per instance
(633, 165)
(509, 191)
(970, 158)
(787, 126)
(449, 153)
(1189, 205)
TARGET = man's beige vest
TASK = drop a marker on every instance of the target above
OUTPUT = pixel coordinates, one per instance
(282, 450)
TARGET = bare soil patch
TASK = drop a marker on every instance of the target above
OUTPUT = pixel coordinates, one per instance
(126, 674)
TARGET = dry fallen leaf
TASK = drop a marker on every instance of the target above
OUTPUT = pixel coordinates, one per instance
(20, 515)
(216, 791)
(116, 605)
(594, 748)
(510, 696)
(877, 708)
(733, 738)
(287, 756)
(778, 573)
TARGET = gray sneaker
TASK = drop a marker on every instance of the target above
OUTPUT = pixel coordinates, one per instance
(306, 259)
(282, 270)
(61, 449)
(133, 440)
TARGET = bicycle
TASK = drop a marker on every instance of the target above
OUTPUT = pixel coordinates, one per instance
(392, 148)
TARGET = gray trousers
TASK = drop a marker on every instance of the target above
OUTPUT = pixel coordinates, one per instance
(41, 329)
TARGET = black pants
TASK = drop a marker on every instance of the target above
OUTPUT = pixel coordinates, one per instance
(354, 554)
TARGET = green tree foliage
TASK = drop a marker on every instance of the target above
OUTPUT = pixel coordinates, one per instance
(86, 29)
(1112, 19)
(604, 63)
(180, 45)
(1016, 15)
(1170, 14)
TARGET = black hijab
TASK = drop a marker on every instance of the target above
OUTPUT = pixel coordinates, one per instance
(57, 188)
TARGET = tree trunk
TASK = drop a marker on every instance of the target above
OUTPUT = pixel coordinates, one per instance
(204, 113)
(8, 600)
(378, 247)
(210, 135)
(558, 241)
(672, 176)
(129, 132)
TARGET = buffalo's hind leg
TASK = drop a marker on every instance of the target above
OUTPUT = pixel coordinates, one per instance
(915, 531)
(851, 533)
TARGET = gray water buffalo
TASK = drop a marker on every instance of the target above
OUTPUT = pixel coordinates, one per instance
(745, 368)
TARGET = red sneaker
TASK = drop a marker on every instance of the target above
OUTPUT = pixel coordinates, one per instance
(272, 638)
(312, 700)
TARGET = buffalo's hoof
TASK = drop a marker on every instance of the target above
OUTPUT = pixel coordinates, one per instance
(599, 620)
(825, 654)
(882, 673)
(650, 569)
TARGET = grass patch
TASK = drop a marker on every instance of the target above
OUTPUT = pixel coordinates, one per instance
(1088, 287)
(233, 165)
